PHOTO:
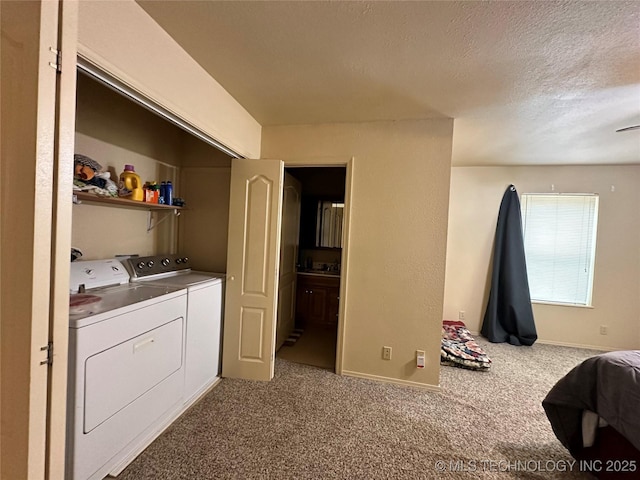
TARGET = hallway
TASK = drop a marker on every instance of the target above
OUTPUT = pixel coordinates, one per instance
(316, 346)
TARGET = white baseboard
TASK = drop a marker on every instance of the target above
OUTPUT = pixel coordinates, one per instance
(406, 383)
(579, 345)
(566, 344)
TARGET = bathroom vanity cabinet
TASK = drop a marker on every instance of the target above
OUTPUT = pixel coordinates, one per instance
(317, 299)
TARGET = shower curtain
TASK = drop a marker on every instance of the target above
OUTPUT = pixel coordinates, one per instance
(509, 316)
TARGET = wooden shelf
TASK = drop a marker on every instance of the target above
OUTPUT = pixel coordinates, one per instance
(122, 202)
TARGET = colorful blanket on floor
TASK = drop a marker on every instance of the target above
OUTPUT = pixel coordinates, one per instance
(459, 348)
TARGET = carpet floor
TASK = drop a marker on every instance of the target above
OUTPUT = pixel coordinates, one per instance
(308, 423)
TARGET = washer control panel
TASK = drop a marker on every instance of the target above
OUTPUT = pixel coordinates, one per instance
(140, 267)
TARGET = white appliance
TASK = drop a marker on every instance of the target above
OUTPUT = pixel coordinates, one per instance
(126, 366)
(204, 314)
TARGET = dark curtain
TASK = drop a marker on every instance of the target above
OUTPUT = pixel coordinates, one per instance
(509, 317)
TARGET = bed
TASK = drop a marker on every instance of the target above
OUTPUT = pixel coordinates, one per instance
(594, 411)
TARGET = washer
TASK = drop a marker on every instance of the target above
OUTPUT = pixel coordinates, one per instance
(204, 314)
(126, 366)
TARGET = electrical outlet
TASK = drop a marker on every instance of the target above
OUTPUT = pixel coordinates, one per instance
(420, 358)
(461, 315)
(386, 353)
(604, 330)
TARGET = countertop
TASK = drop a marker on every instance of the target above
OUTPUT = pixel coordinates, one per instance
(320, 273)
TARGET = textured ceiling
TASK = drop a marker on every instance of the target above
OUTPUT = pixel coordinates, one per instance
(526, 82)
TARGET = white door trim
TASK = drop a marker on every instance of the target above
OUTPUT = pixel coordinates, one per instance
(349, 163)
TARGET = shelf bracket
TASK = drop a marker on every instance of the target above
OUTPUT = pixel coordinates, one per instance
(151, 225)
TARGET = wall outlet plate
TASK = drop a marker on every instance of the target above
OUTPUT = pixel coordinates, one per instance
(420, 358)
(386, 353)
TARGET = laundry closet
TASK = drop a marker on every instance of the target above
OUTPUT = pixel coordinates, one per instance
(146, 295)
(114, 131)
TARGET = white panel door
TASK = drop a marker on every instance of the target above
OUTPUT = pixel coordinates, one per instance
(288, 258)
(255, 217)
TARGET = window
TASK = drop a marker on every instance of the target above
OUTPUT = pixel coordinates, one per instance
(560, 244)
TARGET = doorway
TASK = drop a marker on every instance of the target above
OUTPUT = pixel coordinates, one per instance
(312, 339)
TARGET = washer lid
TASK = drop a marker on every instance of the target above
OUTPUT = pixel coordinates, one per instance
(96, 274)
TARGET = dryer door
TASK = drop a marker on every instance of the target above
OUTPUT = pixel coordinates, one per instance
(118, 376)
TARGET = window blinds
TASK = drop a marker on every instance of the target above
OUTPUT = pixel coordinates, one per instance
(560, 241)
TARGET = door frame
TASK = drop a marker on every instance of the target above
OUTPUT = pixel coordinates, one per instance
(61, 241)
(348, 163)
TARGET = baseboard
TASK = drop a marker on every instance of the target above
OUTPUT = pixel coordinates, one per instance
(567, 344)
(579, 345)
(406, 383)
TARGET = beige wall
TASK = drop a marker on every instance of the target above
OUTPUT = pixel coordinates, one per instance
(205, 178)
(476, 193)
(396, 258)
(122, 38)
